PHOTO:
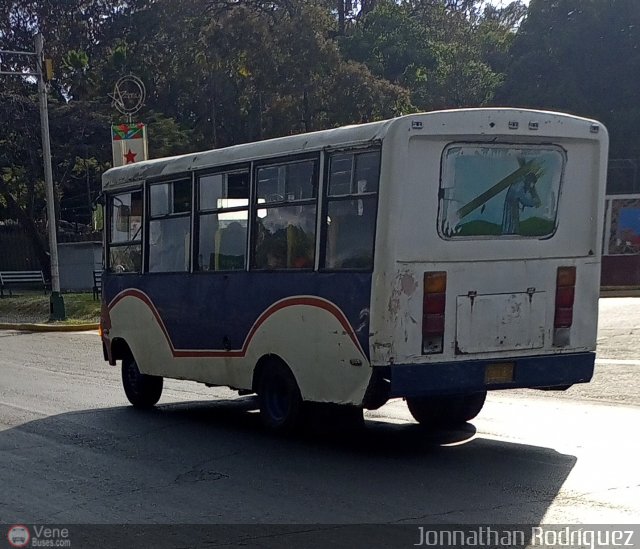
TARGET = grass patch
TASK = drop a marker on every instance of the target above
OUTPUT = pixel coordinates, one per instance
(80, 308)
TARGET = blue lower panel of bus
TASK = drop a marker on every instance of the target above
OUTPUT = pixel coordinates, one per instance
(217, 310)
(409, 380)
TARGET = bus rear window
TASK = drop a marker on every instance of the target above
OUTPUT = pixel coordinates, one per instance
(499, 191)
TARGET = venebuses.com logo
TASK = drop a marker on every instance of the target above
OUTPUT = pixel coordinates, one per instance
(37, 535)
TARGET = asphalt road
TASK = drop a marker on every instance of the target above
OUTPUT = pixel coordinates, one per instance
(72, 452)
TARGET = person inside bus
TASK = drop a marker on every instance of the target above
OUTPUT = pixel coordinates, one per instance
(271, 241)
(231, 247)
(300, 248)
(521, 194)
(169, 242)
(272, 253)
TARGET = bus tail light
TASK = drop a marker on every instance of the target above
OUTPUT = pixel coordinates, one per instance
(565, 296)
(433, 308)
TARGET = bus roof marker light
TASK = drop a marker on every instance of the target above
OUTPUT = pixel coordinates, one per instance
(533, 125)
(594, 128)
(513, 125)
(416, 125)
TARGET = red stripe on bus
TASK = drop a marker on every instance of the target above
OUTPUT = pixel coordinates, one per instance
(288, 302)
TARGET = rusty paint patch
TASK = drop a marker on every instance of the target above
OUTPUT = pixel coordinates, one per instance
(404, 283)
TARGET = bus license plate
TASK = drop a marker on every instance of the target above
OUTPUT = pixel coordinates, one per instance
(499, 372)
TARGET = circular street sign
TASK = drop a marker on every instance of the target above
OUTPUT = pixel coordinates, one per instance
(128, 94)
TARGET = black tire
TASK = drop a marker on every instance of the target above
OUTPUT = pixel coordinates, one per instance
(279, 399)
(446, 410)
(142, 390)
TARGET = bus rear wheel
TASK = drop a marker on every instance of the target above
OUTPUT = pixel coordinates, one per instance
(279, 399)
(446, 410)
(142, 390)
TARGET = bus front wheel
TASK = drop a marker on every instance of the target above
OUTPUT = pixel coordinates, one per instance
(142, 390)
(446, 410)
(279, 399)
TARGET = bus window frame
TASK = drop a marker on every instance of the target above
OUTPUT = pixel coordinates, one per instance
(314, 156)
(129, 189)
(327, 198)
(502, 237)
(197, 212)
(173, 178)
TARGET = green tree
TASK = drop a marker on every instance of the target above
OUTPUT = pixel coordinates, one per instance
(393, 43)
(583, 57)
(436, 49)
(75, 67)
(271, 72)
(21, 192)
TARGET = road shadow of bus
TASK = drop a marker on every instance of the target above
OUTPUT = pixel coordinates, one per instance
(211, 462)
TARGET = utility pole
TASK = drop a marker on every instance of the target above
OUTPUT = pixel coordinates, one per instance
(56, 301)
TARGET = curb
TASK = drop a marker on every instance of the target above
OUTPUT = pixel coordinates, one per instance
(23, 327)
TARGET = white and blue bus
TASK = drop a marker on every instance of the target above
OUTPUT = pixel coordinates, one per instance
(432, 257)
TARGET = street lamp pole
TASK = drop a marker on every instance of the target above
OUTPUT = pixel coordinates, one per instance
(56, 303)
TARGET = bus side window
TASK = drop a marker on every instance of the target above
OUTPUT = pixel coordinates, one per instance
(350, 230)
(285, 221)
(125, 234)
(351, 210)
(285, 238)
(170, 226)
(223, 217)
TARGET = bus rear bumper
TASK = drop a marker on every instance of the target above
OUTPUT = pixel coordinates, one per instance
(544, 371)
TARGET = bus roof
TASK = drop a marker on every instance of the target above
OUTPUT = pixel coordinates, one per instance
(293, 144)
(124, 176)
